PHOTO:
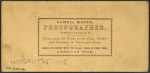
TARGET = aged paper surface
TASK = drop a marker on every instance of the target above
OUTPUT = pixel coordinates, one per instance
(75, 36)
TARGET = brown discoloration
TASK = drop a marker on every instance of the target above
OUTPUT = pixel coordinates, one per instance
(120, 56)
(35, 14)
(22, 56)
(11, 10)
(40, 66)
(22, 32)
(7, 47)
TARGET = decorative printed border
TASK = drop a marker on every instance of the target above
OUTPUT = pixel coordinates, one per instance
(77, 18)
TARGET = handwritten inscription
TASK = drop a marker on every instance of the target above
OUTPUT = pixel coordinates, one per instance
(39, 61)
